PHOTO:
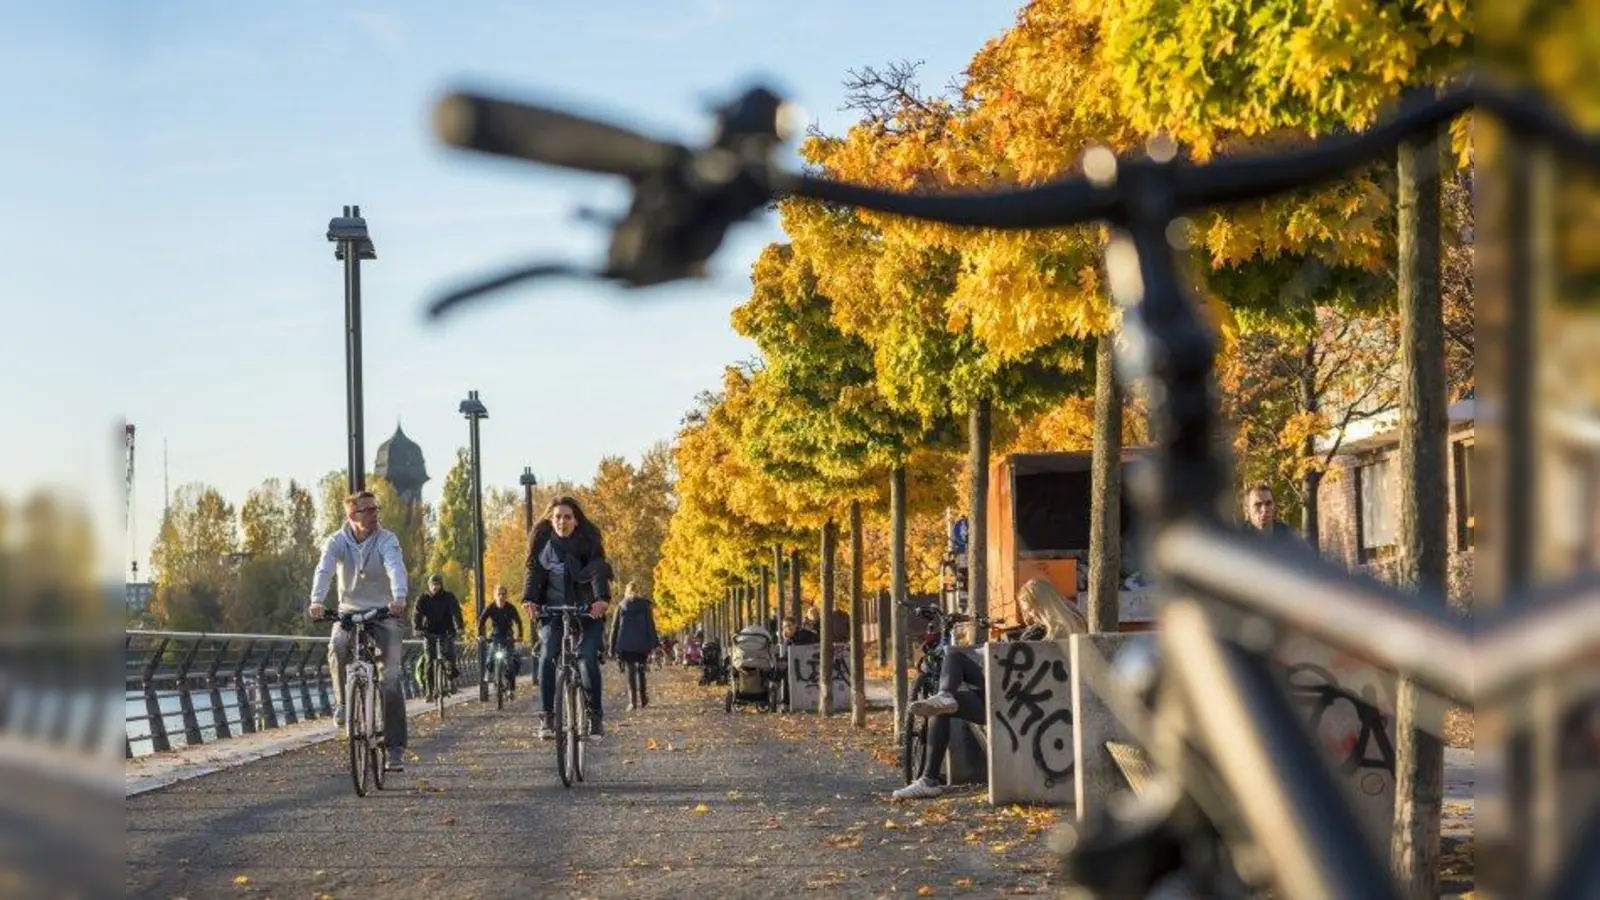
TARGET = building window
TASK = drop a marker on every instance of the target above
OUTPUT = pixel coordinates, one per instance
(1377, 488)
(1466, 521)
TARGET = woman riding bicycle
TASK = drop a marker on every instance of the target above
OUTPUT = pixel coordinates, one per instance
(567, 566)
(1048, 617)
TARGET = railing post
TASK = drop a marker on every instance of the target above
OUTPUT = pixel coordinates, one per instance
(322, 685)
(152, 704)
(191, 722)
(269, 715)
(305, 686)
(247, 714)
(290, 715)
(219, 711)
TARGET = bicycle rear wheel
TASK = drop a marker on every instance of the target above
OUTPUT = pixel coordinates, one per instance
(914, 740)
(357, 731)
(379, 744)
(559, 723)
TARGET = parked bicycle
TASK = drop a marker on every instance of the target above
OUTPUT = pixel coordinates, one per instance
(570, 718)
(363, 723)
(914, 736)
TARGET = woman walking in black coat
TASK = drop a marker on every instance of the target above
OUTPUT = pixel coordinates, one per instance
(633, 637)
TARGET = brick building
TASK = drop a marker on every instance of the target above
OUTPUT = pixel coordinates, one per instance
(1358, 515)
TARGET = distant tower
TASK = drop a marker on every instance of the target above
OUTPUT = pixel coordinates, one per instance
(400, 463)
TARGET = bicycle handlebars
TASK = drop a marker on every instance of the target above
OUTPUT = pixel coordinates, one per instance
(685, 200)
(349, 619)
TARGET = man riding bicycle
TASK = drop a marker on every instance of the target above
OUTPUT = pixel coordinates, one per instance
(372, 574)
(438, 618)
(505, 628)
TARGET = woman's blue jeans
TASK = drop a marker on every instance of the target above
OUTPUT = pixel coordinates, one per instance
(551, 633)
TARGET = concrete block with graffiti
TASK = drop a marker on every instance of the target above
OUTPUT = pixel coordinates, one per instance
(1028, 691)
(805, 678)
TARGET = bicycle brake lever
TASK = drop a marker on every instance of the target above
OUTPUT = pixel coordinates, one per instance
(440, 307)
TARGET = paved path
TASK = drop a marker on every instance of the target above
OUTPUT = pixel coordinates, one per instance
(683, 801)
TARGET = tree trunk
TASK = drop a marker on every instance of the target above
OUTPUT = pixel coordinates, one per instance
(777, 584)
(897, 592)
(766, 597)
(825, 610)
(796, 607)
(1419, 766)
(858, 657)
(1313, 477)
(1105, 504)
(885, 614)
(978, 537)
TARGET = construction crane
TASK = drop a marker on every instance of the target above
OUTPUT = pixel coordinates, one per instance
(127, 509)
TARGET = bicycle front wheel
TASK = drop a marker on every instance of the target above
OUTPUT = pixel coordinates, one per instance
(560, 724)
(439, 681)
(577, 724)
(358, 733)
(499, 685)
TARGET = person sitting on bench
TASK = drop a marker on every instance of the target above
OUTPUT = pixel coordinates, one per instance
(1049, 617)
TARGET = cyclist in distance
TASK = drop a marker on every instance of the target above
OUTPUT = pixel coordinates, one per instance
(438, 614)
(505, 628)
(567, 566)
(371, 572)
(1050, 617)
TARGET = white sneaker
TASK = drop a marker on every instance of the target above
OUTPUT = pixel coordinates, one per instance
(338, 716)
(940, 704)
(922, 789)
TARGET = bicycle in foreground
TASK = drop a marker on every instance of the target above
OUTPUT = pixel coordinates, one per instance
(363, 710)
(914, 733)
(570, 717)
(1242, 797)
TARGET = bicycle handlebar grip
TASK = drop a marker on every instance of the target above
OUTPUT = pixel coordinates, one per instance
(542, 135)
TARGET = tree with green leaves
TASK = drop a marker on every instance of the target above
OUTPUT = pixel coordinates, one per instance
(192, 561)
(452, 545)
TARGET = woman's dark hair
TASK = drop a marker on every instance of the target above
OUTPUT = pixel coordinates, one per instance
(586, 532)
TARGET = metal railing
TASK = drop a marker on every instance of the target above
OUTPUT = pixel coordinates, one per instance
(54, 689)
(189, 688)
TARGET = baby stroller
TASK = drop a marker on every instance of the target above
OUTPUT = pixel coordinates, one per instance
(713, 668)
(754, 678)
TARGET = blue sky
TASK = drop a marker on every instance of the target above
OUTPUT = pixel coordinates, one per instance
(168, 170)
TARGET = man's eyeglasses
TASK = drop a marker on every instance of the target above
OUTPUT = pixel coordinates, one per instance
(364, 509)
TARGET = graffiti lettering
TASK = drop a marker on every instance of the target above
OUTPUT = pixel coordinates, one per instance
(1319, 693)
(1027, 684)
(808, 667)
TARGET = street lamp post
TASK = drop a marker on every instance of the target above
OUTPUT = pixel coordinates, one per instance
(475, 411)
(528, 484)
(349, 233)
